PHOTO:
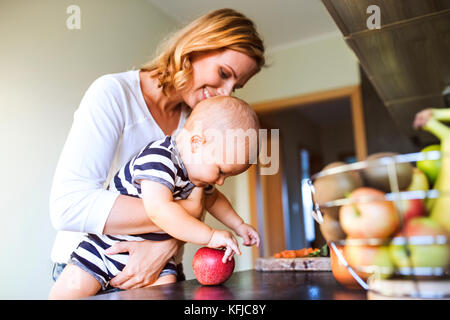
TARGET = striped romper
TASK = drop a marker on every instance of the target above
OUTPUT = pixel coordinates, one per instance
(159, 161)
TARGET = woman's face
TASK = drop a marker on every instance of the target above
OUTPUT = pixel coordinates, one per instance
(218, 72)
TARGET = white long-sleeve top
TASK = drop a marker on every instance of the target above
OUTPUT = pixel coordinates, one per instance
(110, 126)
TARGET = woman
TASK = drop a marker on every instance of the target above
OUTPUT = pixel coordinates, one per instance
(119, 113)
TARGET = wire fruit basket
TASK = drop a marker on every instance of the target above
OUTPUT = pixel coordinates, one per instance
(382, 238)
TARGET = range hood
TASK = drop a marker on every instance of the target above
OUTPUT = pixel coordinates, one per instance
(407, 59)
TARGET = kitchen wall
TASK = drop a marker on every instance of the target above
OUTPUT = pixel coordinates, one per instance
(45, 69)
(315, 65)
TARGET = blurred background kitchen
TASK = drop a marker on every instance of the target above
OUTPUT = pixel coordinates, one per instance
(314, 90)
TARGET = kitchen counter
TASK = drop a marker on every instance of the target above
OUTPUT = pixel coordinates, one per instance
(249, 285)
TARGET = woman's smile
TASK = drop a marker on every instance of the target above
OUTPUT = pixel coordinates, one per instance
(206, 93)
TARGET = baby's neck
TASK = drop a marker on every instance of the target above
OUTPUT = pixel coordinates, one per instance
(180, 143)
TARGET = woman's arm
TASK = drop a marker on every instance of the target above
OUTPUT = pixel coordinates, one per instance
(78, 198)
(127, 216)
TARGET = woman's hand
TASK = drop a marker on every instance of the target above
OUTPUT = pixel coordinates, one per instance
(146, 261)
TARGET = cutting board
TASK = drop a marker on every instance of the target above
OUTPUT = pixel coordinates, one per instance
(293, 264)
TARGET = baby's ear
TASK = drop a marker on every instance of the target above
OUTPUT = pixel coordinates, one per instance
(196, 142)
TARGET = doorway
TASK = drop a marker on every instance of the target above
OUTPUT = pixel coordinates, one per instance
(314, 130)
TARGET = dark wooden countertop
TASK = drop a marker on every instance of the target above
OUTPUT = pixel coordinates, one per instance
(249, 285)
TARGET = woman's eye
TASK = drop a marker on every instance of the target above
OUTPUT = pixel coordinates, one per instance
(223, 74)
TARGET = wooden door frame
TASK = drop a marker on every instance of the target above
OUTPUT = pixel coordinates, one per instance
(353, 93)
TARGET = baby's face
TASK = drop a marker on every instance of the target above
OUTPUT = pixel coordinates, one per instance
(212, 155)
(203, 174)
(212, 163)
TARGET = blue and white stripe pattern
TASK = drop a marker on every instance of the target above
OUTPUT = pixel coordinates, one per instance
(159, 161)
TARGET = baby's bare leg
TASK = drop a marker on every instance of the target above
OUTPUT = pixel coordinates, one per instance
(74, 283)
(170, 278)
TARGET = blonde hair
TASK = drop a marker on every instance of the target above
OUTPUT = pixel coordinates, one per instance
(220, 29)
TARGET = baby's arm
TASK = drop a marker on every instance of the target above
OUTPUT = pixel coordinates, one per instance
(193, 204)
(173, 219)
(220, 208)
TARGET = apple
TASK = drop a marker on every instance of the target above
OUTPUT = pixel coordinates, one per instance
(208, 266)
(369, 215)
(367, 259)
(419, 181)
(421, 255)
(411, 208)
(340, 271)
(431, 168)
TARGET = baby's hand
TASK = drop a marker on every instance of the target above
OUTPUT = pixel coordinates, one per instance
(224, 239)
(249, 234)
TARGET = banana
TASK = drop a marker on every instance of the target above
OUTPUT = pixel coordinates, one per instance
(440, 211)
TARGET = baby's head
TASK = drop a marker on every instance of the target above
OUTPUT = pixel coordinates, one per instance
(219, 139)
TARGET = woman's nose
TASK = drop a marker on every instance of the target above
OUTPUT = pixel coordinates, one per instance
(226, 89)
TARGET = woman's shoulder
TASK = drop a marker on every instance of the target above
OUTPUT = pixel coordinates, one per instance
(123, 80)
(113, 92)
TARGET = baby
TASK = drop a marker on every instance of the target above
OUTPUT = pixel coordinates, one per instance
(182, 167)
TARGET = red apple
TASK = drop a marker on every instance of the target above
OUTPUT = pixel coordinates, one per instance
(208, 266)
(412, 208)
(369, 215)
